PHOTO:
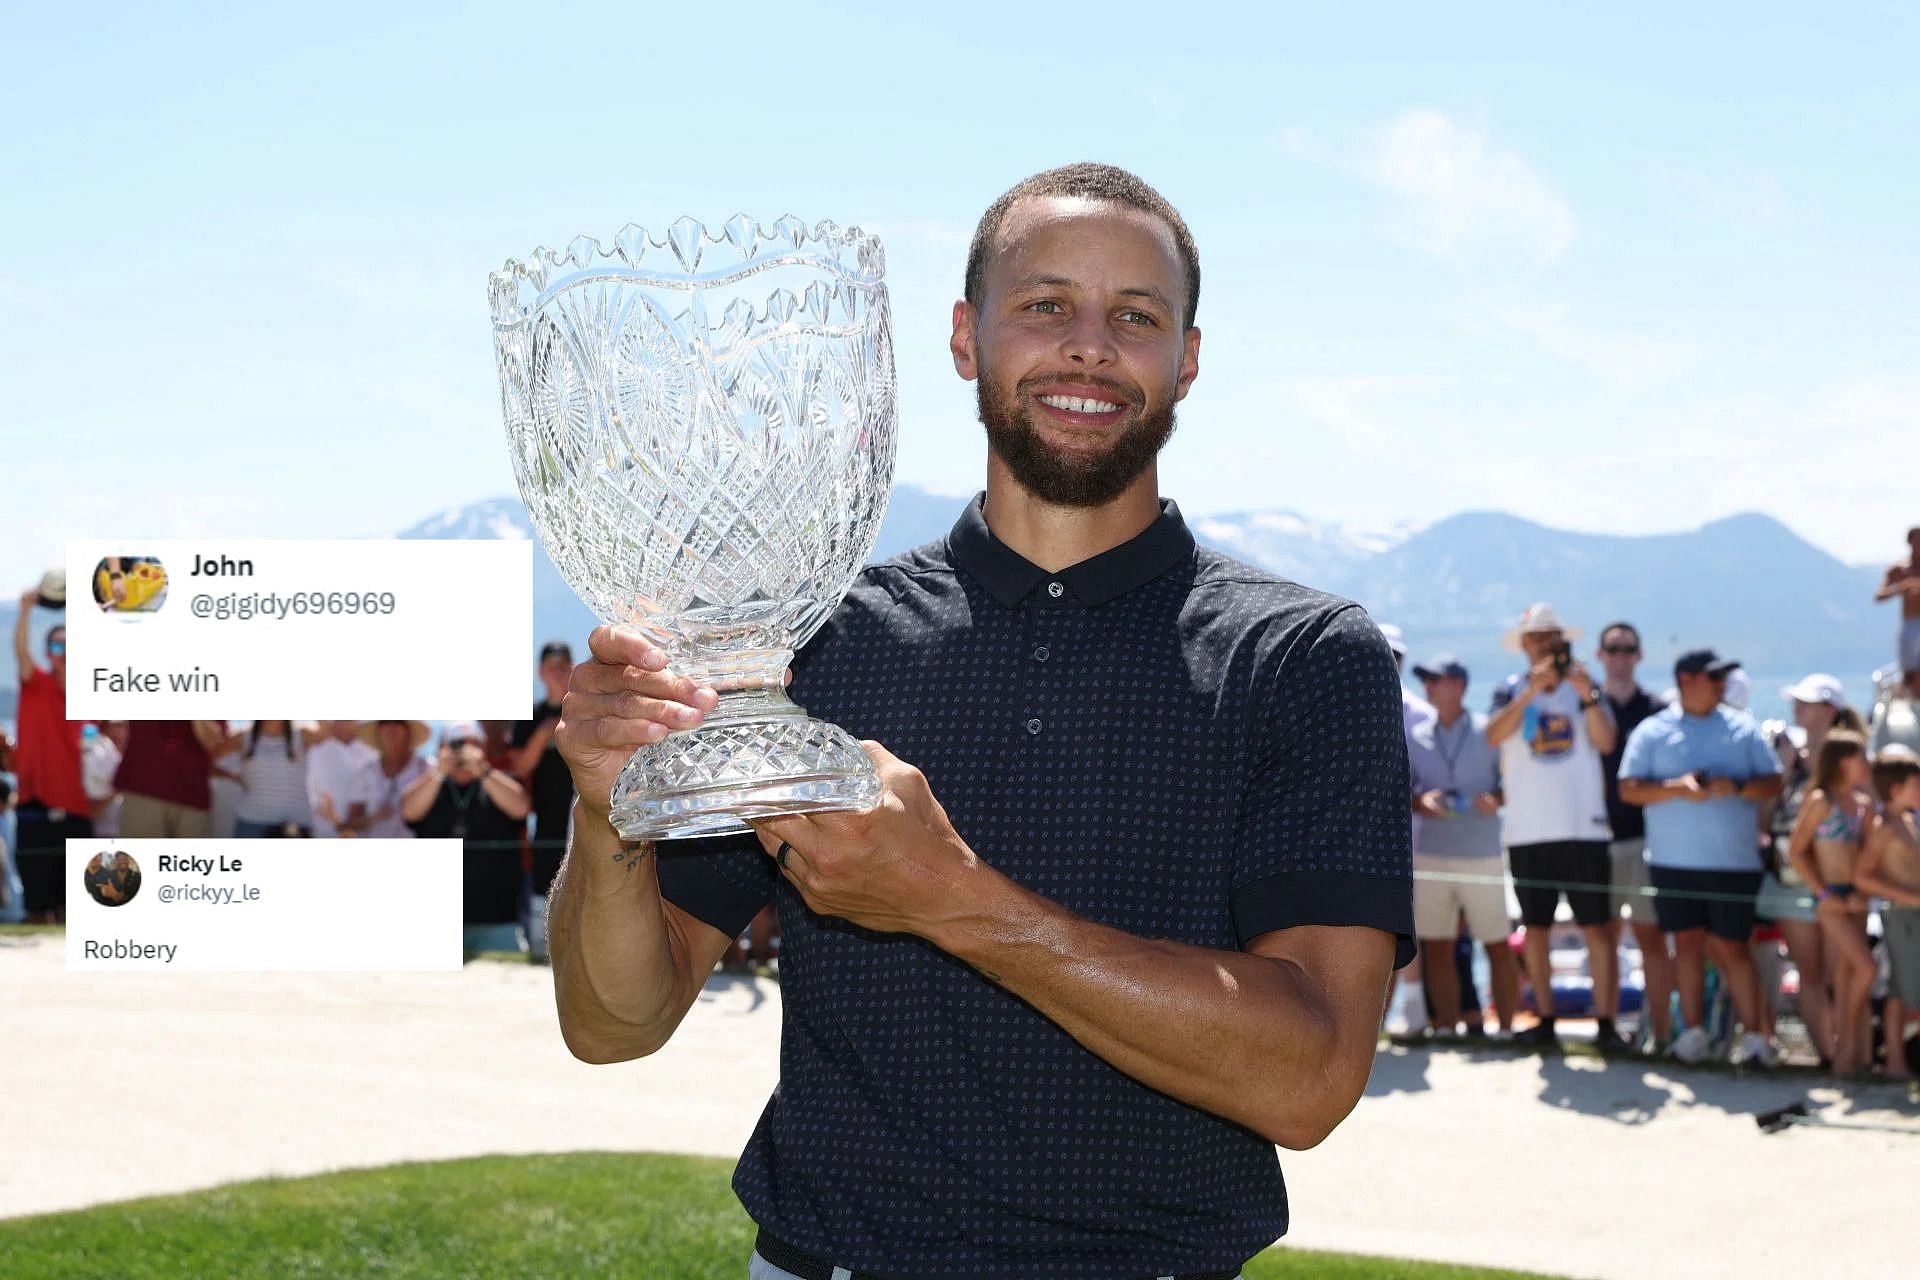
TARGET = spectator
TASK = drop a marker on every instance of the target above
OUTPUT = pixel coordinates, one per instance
(163, 778)
(1825, 848)
(1552, 728)
(1701, 770)
(1629, 704)
(1783, 896)
(1819, 701)
(333, 766)
(13, 907)
(1413, 709)
(375, 792)
(1406, 1012)
(1456, 845)
(52, 805)
(101, 748)
(273, 769)
(464, 797)
(1903, 580)
(1890, 869)
(537, 764)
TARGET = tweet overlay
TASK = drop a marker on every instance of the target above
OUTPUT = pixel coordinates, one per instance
(312, 629)
(264, 906)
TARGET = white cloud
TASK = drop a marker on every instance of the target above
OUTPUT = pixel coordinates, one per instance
(1460, 193)
(1629, 361)
(1347, 404)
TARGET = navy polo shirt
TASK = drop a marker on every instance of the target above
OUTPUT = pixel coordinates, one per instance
(1159, 739)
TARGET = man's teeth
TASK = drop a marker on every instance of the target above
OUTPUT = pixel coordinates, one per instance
(1078, 404)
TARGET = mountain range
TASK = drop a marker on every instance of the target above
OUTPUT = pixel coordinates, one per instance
(1746, 585)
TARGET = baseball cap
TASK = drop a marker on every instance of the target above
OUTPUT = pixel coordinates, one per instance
(463, 731)
(1818, 687)
(1440, 666)
(1695, 661)
(556, 647)
(1395, 640)
(1739, 690)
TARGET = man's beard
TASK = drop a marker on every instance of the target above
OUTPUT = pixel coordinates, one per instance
(1070, 479)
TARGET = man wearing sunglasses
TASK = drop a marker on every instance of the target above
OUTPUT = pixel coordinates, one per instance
(53, 801)
(1619, 655)
(1702, 769)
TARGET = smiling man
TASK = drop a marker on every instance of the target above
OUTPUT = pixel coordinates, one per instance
(1124, 915)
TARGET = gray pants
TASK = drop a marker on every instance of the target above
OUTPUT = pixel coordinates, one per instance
(758, 1268)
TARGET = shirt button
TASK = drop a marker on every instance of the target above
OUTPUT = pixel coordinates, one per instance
(1033, 725)
(1055, 590)
(1040, 654)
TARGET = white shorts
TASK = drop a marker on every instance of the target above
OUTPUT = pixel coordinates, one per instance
(1910, 644)
(1445, 887)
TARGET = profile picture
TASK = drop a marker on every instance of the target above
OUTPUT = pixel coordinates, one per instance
(113, 879)
(130, 584)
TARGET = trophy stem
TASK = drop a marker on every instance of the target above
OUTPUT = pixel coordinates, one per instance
(756, 755)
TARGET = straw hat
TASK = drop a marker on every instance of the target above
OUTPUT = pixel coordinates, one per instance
(1538, 617)
(53, 589)
(417, 733)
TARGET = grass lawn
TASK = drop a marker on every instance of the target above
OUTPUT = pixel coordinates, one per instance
(650, 1217)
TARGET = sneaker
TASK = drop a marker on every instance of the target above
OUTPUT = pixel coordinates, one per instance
(1689, 1047)
(1609, 1040)
(1755, 1050)
(1538, 1036)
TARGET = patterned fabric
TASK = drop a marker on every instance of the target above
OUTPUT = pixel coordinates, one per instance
(1159, 739)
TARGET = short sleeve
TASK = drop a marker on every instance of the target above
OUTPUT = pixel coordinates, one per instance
(721, 881)
(1636, 761)
(1765, 763)
(1326, 834)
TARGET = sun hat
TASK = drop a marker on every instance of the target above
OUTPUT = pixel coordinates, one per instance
(1538, 617)
(417, 733)
(1396, 641)
(53, 589)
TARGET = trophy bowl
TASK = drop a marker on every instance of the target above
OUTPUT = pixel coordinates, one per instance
(703, 430)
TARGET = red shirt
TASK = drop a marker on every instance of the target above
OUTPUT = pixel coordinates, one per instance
(48, 756)
(164, 761)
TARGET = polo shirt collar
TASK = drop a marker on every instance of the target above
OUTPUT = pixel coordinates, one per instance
(1009, 576)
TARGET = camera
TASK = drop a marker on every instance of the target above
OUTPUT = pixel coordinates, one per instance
(1562, 657)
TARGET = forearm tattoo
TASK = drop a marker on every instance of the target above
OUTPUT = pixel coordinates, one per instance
(632, 855)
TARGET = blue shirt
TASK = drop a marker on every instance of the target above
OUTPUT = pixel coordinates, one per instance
(1700, 835)
(1158, 739)
(1459, 761)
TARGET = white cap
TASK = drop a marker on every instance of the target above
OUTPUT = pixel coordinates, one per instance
(1396, 641)
(1739, 690)
(459, 730)
(1818, 687)
(1539, 617)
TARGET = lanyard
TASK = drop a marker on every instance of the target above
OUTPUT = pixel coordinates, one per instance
(1452, 758)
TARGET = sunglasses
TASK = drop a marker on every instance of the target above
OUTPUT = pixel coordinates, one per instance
(1622, 650)
(56, 647)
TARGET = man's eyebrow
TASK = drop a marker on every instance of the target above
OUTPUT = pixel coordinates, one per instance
(1131, 291)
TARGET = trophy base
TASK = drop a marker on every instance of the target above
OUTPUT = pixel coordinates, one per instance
(708, 781)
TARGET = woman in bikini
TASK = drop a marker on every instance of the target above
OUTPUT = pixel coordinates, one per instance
(1824, 850)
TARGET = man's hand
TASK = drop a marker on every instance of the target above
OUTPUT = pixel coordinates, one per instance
(1486, 804)
(1542, 678)
(1431, 804)
(1581, 679)
(1689, 788)
(1722, 789)
(621, 700)
(894, 868)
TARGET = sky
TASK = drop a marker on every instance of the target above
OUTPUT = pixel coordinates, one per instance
(1623, 269)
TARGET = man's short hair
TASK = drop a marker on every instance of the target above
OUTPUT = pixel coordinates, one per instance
(1890, 774)
(1085, 181)
(1627, 627)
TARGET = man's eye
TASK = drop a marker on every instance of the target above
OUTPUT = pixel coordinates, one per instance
(1138, 317)
(1053, 307)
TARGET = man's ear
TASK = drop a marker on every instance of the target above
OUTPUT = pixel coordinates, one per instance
(966, 357)
(1189, 364)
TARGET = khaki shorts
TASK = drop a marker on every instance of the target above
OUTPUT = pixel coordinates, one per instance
(1445, 887)
(143, 817)
(1630, 880)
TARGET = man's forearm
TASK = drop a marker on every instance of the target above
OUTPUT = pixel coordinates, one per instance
(1505, 722)
(1244, 1036)
(619, 972)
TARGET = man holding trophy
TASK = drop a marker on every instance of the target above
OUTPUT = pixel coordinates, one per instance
(1119, 915)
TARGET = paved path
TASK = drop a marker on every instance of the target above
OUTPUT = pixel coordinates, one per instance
(1562, 1165)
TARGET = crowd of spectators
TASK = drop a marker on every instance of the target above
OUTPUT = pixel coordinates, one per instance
(1718, 841)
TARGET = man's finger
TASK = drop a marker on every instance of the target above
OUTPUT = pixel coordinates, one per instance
(622, 646)
(794, 828)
